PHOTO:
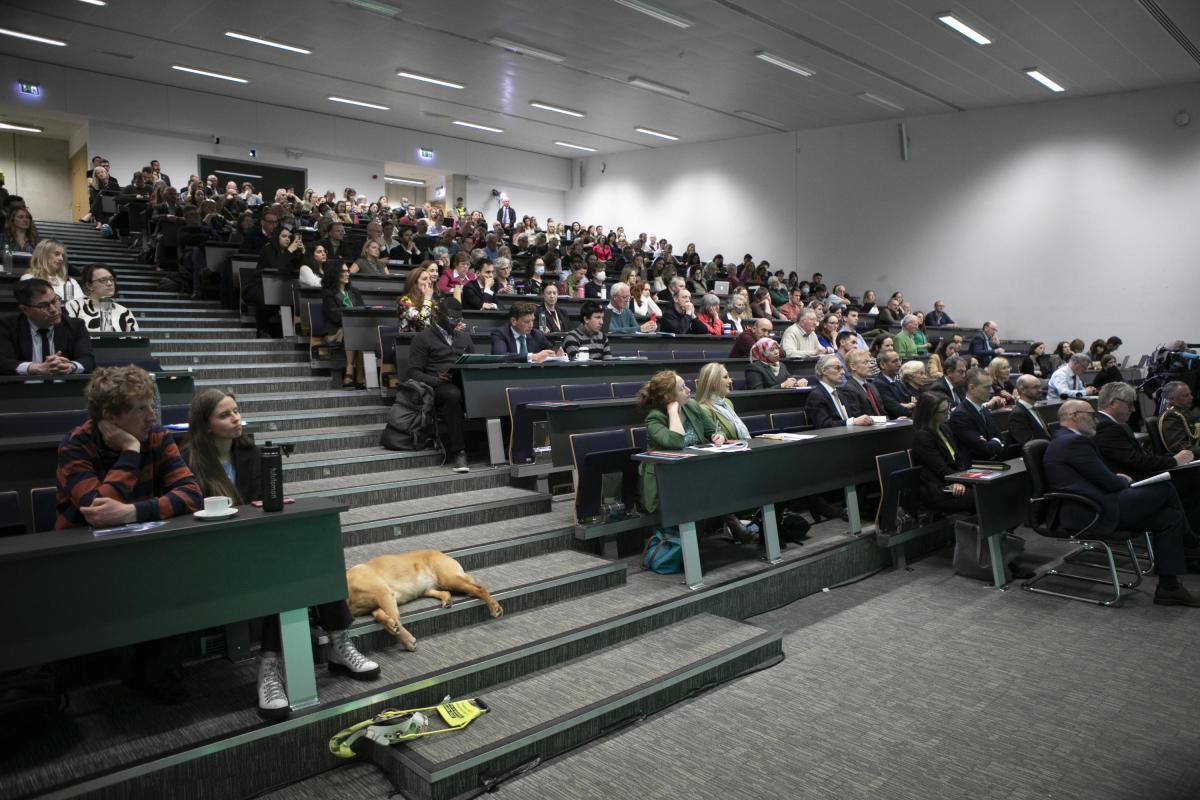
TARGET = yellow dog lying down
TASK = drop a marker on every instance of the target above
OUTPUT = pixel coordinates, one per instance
(378, 586)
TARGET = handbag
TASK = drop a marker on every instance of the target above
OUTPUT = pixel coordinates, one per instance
(663, 552)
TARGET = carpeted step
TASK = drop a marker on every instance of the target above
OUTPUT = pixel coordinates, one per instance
(325, 398)
(326, 441)
(354, 461)
(135, 300)
(380, 523)
(236, 370)
(518, 586)
(477, 546)
(224, 356)
(206, 314)
(539, 717)
(196, 323)
(192, 330)
(244, 345)
(400, 485)
(265, 423)
(252, 386)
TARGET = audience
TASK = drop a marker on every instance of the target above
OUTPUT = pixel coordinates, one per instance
(680, 317)
(858, 387)
(826, 407)
(766, 371)
(1036, 361)
(49, 262)
(415, 306)
(949, 346)
(39, 341)
(986, 344)
(548, 318)
(313, 267)
(479, 294)
(1073, 465)
(897, 398)
(673, 421)
(1179, 425)
(710, 315)
(1000, 373)
(371, 261)
(97, 310)
(751, 333)
(800, 339)
(951, 382)
(905, 341)
(1065, 382)
(452, 280)
(588, 341)
(434, 351)
(974, 429)
(938, 318)
(119, 467)
(1109, 372)
(336, 296)
(713, 386)
(618, 317)
(1025, 423)
(226, 462)
(519, 339)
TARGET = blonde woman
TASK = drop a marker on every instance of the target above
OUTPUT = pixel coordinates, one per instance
(738, 311)
(49, 262)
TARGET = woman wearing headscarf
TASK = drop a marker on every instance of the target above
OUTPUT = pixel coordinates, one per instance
(766, 371)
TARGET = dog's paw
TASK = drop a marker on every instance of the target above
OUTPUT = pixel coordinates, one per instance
(410, 644)
(497, 611)
(446, 603)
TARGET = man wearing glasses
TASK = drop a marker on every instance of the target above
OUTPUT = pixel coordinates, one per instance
(40, 341)
(257, 239)
(1073, 464)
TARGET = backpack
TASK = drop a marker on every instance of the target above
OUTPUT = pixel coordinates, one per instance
(411, 423)
(663, 552)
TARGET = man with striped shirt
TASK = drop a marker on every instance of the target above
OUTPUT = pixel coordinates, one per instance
(118, 467)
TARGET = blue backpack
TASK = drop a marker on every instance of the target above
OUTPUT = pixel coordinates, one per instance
(663, 552)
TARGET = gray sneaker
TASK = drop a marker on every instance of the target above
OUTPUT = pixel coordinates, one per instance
(460, 463)
(272, 692)
(344, 657)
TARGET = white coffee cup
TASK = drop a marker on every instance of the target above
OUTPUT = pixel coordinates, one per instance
(582, 354)
(217, 505)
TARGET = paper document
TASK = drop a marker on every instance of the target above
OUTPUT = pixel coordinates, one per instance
(786, 437)
(729, 447)
(1159, 478)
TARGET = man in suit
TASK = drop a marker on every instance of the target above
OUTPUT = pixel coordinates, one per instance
(1122, 452)
(40, 341)
(1073, 464)
(826, 406)
(974, 429)
(896, 402)
(159, 174)
(519, 339)
(507, 215)
(479, 294)
(335, 244)
(858, 388)
(983, 344)
(257, 239)
(954, 373)
(1026, 423)
(433, 351)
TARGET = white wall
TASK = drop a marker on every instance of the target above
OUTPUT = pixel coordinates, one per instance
(1072, 217)
(36, 168)
(713, 194)
(132, 121)
(540, 203)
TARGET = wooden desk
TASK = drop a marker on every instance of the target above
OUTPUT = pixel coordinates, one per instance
(184, 576)
(712, 485)
(1001, 502)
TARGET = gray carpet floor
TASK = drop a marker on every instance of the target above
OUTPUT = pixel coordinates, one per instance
(913, 685)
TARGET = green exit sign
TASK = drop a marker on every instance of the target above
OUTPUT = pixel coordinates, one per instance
(31, 89)
(425, 153)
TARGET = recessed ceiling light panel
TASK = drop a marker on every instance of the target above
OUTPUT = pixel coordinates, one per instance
(362, 103)
(882, 102)
(657, 13)
(29, 37)
(955, 24)
(477, 126)
(526, 50)
(779, 61)
(1045, 80)
(556, 109)
(416, 76)
(207, 74)
(659, 134)
(661, 88)
(761, 120)
(8, 126)
(576, 147)
(245, 37)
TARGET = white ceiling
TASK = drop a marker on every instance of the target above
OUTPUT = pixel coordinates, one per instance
(894, 49)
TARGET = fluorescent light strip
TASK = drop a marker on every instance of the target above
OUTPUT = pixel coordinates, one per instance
(245, 37)
(657, 13)
(661, 88)
(556, 109)
(350, 102)
(377, 8)
(413, 76)
(6, 126)
(875, 99)
(761, 120)
(478, 127)
(236, 174)
(405, 181)
(208, 74)
(526, 50)
(30, 37)
(791, 66)
(94, 2)
(659, 134)
(955, 24)
(1050, 84)
(576, 147)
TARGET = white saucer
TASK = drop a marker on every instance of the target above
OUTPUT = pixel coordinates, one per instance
(202, 514)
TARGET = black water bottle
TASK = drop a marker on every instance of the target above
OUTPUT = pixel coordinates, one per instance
(272, 476)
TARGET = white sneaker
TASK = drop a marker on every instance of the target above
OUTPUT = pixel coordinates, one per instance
(344, 657)
(272, 692)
